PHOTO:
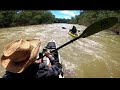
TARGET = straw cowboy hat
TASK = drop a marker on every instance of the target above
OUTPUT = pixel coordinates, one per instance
(19, 54)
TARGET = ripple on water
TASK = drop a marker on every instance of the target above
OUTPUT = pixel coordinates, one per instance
(94, 56)
(69, 69)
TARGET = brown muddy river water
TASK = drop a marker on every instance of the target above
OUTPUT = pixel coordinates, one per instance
(97, 56)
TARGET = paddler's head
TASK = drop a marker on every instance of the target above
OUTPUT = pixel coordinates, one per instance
(19, 54)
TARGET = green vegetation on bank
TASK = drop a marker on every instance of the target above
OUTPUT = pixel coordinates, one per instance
(62, 20)
(11, 18)
(88, 17)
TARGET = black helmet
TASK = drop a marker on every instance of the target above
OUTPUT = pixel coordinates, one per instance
(74, 27)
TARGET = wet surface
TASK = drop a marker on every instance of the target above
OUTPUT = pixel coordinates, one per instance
(96, 56)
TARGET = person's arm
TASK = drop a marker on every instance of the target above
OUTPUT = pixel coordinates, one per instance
(9, 75)
(5, 75)
(51, 58)
(49, 71)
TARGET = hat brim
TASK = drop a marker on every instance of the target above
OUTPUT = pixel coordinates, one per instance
(18, 68)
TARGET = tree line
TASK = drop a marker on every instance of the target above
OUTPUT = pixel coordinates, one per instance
(61, 20)
(10, 18)
(88, 17)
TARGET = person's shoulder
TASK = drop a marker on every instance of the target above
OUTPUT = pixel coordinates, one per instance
(8, 75)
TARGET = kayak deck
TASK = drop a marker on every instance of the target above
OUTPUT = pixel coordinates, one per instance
(49, 47)
(74, 35)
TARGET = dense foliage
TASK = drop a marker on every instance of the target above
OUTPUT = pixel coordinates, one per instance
(10, 18)
(60, 20)
(25, 17)
(88, 17)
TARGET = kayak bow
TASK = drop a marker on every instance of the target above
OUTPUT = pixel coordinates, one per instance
(74, 35)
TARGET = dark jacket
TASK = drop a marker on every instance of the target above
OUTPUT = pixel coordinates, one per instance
(74, 30)
(37, 71)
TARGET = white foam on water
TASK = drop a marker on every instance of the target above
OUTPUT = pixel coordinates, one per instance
(69, 65)
(92, 43)
(69, 69)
